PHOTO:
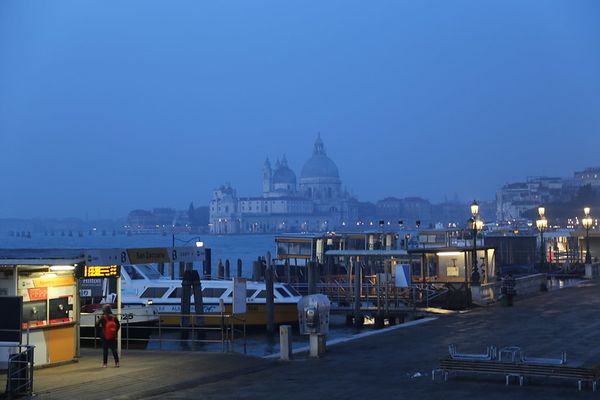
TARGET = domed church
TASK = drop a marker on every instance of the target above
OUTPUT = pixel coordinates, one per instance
(317, 203)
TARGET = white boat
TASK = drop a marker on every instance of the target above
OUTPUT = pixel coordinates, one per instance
(143, 285)
(137, 323)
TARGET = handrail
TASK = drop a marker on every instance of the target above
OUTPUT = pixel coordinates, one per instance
(220, 328)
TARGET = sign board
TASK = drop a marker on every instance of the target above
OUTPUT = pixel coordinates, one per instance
(239, 296)
(403, 276)
(98, 271)
(11, 321)
(151, 255)
(452, 271)
(91, 287)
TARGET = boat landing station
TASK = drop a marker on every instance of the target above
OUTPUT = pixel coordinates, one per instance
(43, 292)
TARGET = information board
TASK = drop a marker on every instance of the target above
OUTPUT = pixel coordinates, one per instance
(239, 296)
(98, 271)
(10, 323)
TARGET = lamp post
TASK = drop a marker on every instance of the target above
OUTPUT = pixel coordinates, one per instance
(476, 225)
(587, 222)
(542, 223)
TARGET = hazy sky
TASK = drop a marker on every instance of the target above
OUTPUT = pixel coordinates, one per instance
(106, 106)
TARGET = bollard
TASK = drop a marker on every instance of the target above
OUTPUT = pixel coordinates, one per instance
(317, 344)
(270, 296)
(239, 268)
(285, 342)
(227, 269)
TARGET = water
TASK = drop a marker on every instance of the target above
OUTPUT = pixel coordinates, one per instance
(245, 247)
(232, 247)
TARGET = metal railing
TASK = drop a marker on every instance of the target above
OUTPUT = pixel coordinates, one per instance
(176, 328)
(19, 377)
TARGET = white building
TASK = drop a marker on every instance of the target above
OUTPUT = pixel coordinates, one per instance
(317, 203)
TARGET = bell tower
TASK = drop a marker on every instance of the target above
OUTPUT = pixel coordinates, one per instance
(267, 177)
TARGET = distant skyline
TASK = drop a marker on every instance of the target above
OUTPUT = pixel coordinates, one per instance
(110, 106)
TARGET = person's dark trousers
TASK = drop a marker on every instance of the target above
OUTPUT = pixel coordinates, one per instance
(112, 345)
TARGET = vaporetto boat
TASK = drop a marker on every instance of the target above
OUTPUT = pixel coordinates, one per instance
(143, 285)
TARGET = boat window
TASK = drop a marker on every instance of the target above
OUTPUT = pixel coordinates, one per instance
(176, 294)
(250, 292)
(261, 295)
(150, 272)
(213, 292)
(282, 292)
(133, 272)
(154, 292)
(290, 289)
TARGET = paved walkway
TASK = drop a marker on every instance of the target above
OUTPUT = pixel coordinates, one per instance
(395, 364)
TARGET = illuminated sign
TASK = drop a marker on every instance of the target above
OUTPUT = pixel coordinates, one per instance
(99, 271)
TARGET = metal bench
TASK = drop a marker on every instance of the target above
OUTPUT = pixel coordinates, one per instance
(519, 370)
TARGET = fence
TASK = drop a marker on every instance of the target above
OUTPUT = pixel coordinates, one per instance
(194, 329)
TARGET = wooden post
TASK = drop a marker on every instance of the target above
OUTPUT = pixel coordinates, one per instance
(288, 274)
(256, 267)
(207, 264)
(227, 269)
(220, 270)
(357, 288)
(161, 268)
(239, 268)
(312, 277)
(270, 296)
(181, 269)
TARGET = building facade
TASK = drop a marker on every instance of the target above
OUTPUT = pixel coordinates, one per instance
(315, 202)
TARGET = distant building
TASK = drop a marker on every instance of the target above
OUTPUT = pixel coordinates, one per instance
(159, 220)
(589, 176)
(315, 203)
(513, 200)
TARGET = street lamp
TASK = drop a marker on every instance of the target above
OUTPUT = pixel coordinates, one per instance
(476, 225)
(542, 224)
(587, 222)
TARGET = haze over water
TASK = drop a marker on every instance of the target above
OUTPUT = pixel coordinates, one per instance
(107, 107)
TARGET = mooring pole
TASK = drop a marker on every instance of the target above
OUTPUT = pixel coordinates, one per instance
(312, 277)
(270, 296)
(227, 269)
(357, 284)
(239, 268)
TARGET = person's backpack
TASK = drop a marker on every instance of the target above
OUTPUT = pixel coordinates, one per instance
(110, 328)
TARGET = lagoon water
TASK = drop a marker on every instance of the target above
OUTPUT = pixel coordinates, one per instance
(245, 247)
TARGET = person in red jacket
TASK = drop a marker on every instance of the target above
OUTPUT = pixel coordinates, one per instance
(107, 326)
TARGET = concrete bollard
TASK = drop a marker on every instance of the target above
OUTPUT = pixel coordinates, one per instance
(285, 342)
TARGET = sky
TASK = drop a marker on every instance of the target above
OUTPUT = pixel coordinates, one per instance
(109, 106)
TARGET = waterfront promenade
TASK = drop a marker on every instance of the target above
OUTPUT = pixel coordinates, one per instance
(381, 366)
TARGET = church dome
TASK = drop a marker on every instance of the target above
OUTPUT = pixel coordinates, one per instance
(319, 165)
(283, 174)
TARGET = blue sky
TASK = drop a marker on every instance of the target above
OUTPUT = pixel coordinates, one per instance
(106, 106)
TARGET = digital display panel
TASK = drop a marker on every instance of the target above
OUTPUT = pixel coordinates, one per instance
(99, 271)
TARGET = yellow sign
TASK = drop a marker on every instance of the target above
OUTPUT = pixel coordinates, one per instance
(100, 271)
(150, 255)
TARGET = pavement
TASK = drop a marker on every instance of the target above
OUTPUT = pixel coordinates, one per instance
(395, 364)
